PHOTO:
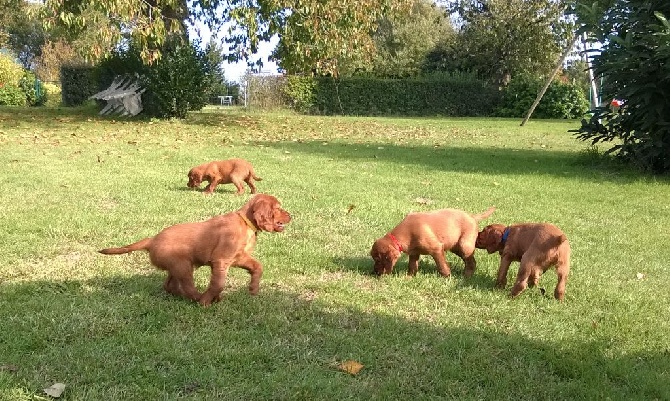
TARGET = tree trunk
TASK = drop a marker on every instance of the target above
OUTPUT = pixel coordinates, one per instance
(549, 79)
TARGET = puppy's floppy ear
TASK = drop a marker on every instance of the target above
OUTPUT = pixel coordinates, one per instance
(262, 212)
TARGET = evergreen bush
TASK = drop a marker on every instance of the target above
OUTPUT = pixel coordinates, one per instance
(562, 100)
(78, 84)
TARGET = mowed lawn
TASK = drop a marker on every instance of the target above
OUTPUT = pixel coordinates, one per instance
(72, 183)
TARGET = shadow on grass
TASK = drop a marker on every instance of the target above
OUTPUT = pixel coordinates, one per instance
(122, 338)
(472, 159)
(11, 116)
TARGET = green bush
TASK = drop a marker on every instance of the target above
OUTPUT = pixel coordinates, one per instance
(78, 84)
(178, 82)
(174, 85)
(635, 66)
(562, 100)
(448, 95)
(33, 89)
(12, 95)
(301, 93)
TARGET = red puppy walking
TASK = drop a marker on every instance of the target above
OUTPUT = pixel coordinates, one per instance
(220, 242)
(538, 246)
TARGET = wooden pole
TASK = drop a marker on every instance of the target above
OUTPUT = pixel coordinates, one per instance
(546, 85)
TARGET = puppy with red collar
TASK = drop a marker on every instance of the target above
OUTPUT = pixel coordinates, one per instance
(429, 233)
(537, 246)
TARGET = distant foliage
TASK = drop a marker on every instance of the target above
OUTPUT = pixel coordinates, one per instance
(53, 94)
(54, 54)
(266, 91)
(634, 64)
(18, 87)
(447, 95)
(562, 100)
(78, 83)
(10, 71)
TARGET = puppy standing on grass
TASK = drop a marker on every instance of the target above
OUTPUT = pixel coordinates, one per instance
(430, 233)
(220, 242)
(538, 246)
(235, 171)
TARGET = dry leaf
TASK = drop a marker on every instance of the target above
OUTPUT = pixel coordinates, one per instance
(350, 208)
(423, 201)
(351, 367)
(55, 390)
(9, 368)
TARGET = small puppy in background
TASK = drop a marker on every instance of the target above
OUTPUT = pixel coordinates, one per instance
(537, 246)
(235, 171)
(220, 242)
(430, 233)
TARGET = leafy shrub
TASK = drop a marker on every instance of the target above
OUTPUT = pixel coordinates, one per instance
(174, 85)
(562, 100)
(12, 95)
(33, 89)
(52, 93)
(10, 71)
(635, 66)
(78, 84)
(178, 82)
(301, 93)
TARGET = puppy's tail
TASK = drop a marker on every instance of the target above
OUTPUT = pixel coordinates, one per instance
(481, 216)
(254, 176)
(142, 244)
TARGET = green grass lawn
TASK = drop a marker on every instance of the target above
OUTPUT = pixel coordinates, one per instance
(72, 183)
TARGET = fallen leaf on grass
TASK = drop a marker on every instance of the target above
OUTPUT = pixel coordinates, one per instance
(351, 367)
(350, 208)
(9, 368)
(423, 201)
(55, 390)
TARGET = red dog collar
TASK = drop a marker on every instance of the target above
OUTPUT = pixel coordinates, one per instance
(395, 242)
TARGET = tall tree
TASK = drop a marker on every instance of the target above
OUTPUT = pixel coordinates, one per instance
(500, 38)
(403, 41)
(21, 34)
(314, 34)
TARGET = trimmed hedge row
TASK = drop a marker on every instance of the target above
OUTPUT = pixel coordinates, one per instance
(373, 96)
(77, 84)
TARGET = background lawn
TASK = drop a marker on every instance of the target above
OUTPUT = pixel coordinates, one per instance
(72, 183)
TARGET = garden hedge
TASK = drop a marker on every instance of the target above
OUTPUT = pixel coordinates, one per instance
(455, 96)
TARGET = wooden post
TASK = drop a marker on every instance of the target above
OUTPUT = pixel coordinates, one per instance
(546, 85)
